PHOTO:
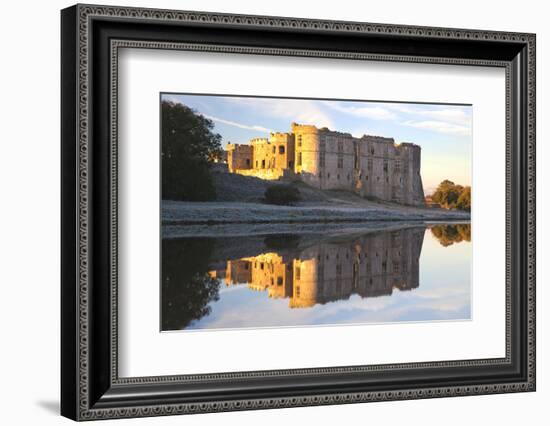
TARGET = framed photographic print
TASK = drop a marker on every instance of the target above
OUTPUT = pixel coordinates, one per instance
(263, 212)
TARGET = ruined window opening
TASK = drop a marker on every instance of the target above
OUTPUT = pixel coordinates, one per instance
(299, 158)
(281, 149)
(340, 161)
(290, 164)
(263, 164)
(386, 166)
(248, 161)
(279, 280)
(297, 273)
(338, 177)
(328, 175)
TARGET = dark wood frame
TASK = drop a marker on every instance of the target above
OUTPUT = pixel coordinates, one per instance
(90, 386)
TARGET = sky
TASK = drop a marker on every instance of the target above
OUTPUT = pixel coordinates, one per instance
(444, 132)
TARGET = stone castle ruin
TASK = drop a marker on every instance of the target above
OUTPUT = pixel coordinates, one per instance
(370, 166)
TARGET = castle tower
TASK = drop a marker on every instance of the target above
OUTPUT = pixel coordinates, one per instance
(306, 143)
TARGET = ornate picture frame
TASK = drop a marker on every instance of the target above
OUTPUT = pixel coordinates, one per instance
(91, 37)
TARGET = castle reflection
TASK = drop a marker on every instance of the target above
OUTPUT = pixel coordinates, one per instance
(332, 269)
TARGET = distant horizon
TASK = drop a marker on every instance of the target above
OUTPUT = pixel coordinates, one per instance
(443, 131)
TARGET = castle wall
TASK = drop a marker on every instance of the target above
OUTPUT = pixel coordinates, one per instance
(338, 151)
(269, 159)
(239, 157)
(370, 166)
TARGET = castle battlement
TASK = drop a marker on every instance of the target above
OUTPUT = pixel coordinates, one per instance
(370, 166)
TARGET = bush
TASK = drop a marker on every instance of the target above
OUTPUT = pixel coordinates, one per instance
(283, 195)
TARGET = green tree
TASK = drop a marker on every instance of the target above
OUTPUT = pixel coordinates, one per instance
(465, 199)
(448, 195)
(188, 145)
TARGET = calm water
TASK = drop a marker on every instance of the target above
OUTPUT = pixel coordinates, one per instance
(345, 277)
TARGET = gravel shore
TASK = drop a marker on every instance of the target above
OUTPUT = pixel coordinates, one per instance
(212, 213)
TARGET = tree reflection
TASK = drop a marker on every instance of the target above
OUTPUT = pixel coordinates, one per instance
(187, 288)
(449, 234)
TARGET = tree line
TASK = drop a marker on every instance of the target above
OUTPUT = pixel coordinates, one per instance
(452, 196)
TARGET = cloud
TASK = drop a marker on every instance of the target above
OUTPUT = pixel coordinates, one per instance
(372, 112)
(303, 111)
(236, 124)
(454, 120)
(439, 126)
(455, 115)
(447, 119)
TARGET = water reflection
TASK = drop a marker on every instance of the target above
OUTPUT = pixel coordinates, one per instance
(450, 234)
(253, 281)
(333, 269)
(187, 288)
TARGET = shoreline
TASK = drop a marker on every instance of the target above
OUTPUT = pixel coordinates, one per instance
(181, 213)
(211, 222)
(221, 229)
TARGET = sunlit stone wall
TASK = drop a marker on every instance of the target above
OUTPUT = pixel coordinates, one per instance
(370, 166)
